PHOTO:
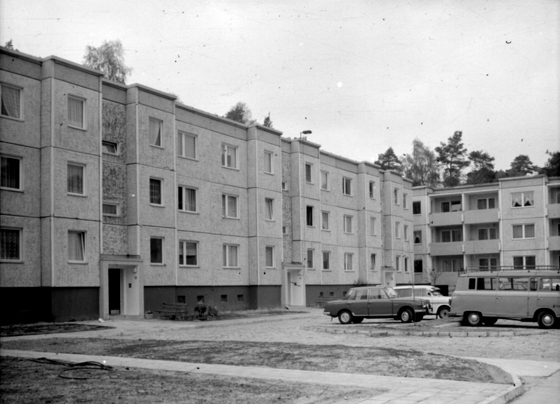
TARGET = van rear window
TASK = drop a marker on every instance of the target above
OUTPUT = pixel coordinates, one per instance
(481, 283)
(550, 284)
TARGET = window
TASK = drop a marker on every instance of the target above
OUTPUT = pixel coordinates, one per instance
(223, 298)
(10, 244)
(418, 237)
(405, 201)
(284, 229)
(397, 230)
(188, 253)
(488, 263)
(308, 177)
(110, 209)
(326, 260)
(155, 191)
(109, 147)
(522, 199)
(418, 266)
(524, 231)
(324, 180)
(230, 253)
(347, 224)
(372, 189)
(240, 298)
(76, 246)
(324, 220)
(10, 101)
(75, 179)
(448, 236)
(348, 261)
(309, 215)
(269, 208)
(268, 162)
(229, 156)
(405, 264)
(11, 173)
(398, 263)
(187, 145)
(187, 199)
(372, 259)
(156, 131)
(486, 203)
(284, 186)
(269, 259)
(229, 206)
(156, 250)
(346, 186)
(416, 208)
(396, 196)
(310, 258)
(524, 262)
(487, 234)
(76, 112)
(372, 229)
(405, 232)
(453, 206)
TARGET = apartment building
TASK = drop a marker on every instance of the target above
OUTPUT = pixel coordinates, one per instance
(115, 199)
(511, 223)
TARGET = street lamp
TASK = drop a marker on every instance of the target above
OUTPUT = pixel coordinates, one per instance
(305, 132)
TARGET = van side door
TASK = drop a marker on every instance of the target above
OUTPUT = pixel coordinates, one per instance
(512, 297)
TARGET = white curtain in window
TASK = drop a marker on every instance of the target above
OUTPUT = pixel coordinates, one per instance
(516, 199)
(10, 173)
(75, 179)
(230, 255)
(11, 102)
(155, 132)
(191, 253)
(191, 199)
(76, 112)
(528, 199)
(76, 246)
(9, 244)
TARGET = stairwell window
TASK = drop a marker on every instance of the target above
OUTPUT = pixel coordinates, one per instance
(269, 209)
(309, 215)
(155, 191)
(269, 257)
(76, 112)
(75, 179)
(325, 220)
(156, 132)
(325, 180)
(326, 260)
(372, 189)
(76, 246)
(268, 162)
(308, 176)
(10, 101)
(310, 258)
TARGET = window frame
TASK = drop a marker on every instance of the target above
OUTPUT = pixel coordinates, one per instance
(308, 173)
(183, 249)
(405, 232)
(348, 259)
(415, 233)
(309, 213)
(225, 206)
(416, 211)
(523, 199)
(105, 143)
(327, 214)
(326, 254)
(486, 203)
(273, 261)
(488, 233)
(20, 173)
(160, 180)
(348, 224)
(226, 258)
(19, 245)
(83, 246)
(21, 104)
(396, 196)
(181, 144)
(160, 125)
(269, 213)
(309, 258)
(84, 118)
(405, 200)
(372, 261)
(524, 260)
(372, 223)
(224, 156)
(325, 181)
(397, 229)
(371, 190)
(523, 231)
(83, 179)
(117, 209)
(347, 186)
(268, 162)
(162, 247)
(182, 193)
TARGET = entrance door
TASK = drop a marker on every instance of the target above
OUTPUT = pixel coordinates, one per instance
(296, 288)
(389, 278)
(114, 291)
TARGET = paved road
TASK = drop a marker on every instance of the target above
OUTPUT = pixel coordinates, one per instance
(534, 357)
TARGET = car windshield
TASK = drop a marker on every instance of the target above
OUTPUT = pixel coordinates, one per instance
(351, 295)
(391, 292)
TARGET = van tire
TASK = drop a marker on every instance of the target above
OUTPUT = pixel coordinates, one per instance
(472, 319)
(443, 312)
(547, 320)
(406, 315)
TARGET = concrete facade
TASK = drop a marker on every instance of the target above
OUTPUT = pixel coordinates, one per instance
(117, 198)
(511, 223)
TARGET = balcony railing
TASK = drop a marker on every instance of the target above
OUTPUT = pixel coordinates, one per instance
(481, 216)
(529, 268)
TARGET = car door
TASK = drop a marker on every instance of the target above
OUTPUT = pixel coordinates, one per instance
(379, 303)
(359, 305)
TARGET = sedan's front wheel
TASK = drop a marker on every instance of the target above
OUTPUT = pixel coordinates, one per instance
(406, 316)
(345, 317)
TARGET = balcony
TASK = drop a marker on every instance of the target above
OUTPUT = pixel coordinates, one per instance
(446, 219)
(481, 216)
(437, 249)
(482, 247)
(554, 243)
(553, 210)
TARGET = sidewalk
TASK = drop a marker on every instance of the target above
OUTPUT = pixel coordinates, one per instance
(399, 390)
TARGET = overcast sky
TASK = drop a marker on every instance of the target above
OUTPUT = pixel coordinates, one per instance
(362, 75)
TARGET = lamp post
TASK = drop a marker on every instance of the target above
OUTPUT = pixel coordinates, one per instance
(305, 132)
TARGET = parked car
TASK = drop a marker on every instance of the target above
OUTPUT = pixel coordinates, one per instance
(440, 304)
(375, 302)
(524, 295)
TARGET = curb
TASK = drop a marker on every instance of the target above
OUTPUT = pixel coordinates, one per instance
(502, 398)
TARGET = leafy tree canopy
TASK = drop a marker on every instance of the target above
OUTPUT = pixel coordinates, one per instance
(108, 58)
(241, 113)
(452, 156)
(10, 45)
(421, 166)
(483, 168)
(521, 166)
(267, 121)
(552, 166)
(389, 161)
